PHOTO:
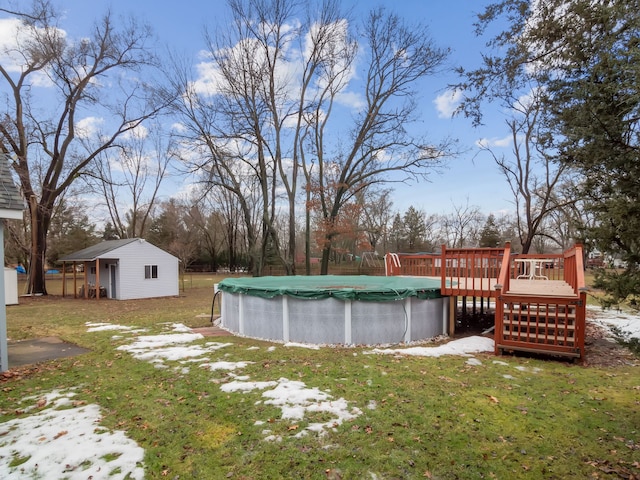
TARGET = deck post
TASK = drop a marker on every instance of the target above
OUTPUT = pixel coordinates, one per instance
(453, 305)
(498, 319)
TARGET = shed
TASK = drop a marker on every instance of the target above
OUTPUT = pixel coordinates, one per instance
(124, 269)
(11, 207)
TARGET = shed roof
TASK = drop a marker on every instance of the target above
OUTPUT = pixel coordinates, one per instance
(10, 198)
(97, 251)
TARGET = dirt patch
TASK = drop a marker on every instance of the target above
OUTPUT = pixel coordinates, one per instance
(603, 351)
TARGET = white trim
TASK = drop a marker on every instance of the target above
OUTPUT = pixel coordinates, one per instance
(285, 318)
(347, 322)
(407, 318)
(11, 214)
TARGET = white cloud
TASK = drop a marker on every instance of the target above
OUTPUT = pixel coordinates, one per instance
(178, 127)
(351, 99)
(139, 132)
(495, 142)
(89, 127)
(13, 38)
(10, 38)
(208, 79)
(447, 103)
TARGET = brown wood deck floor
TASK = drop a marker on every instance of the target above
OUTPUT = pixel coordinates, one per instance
(545, 288)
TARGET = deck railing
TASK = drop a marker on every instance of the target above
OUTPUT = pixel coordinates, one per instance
(542, 323)
(547, 323)
(470, 271)
(413, 264)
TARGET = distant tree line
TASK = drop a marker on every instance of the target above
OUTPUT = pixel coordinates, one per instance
(205, 238)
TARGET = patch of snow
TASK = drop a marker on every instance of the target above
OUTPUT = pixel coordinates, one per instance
(225, 365)
(462, 346)
(625, 323)
(240, 386)
(103, 327)
(302, 345)
(67, 443)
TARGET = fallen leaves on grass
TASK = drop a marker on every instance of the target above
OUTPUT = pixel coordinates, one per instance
(620, 469)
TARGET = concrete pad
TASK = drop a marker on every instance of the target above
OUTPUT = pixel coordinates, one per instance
(212, 331)
(27, 352)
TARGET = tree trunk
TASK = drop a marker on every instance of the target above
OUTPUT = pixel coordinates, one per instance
(39, 229)
(307, 237)
(324, 265)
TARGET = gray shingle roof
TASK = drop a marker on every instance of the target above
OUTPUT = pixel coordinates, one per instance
(10, 198)
(96, 251)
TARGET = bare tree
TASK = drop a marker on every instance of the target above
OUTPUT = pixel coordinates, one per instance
(54, 142)
(173, 230)
(462, 226)
(268, 111)
(532, 172)
(129, 182)
(379, 144)
(206, 217)
(376, 215)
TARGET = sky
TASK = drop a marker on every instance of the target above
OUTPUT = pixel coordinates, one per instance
(472, 178)
(50, 426)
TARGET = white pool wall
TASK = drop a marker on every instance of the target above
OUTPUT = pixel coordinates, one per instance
(334, 321)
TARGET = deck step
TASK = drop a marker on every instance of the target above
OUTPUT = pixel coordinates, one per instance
(523, 336)
(550, 316)
(520, 327)
(550, 332)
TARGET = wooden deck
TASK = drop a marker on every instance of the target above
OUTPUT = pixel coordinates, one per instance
(541, 288)
(540, 299)
(545, 288)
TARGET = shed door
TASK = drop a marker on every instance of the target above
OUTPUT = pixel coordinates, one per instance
(112, 281)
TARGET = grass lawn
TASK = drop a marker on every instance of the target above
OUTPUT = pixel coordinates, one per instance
(418, 417)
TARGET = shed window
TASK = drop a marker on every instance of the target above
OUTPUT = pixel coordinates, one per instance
(150, 271)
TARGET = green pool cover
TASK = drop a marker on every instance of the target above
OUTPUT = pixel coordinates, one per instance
(354, 287)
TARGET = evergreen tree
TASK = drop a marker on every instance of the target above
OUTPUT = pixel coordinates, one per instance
(109, 232)
(414, 229)
(584, 59)
(396, 235)
(490, 235)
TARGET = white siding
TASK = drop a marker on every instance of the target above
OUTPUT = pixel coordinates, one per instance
(131, 281)
(10, 286)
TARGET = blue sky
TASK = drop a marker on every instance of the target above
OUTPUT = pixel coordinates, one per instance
(471, 178)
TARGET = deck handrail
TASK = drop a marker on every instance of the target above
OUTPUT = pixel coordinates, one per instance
(505, 269)
(552, 323)
(391, 264)
(414, 264)
(574, 268)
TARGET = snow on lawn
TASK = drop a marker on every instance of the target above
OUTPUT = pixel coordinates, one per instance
(626, 324)
(63, 439)
(60, 438)
(295, 399)
(462, 346)
(175, 346)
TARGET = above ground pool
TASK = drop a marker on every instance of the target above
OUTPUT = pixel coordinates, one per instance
(332, 309)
